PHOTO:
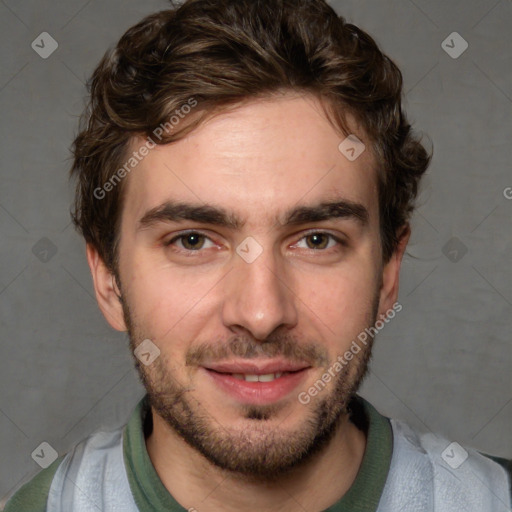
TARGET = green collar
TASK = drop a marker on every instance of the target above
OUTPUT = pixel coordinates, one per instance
(363, 496)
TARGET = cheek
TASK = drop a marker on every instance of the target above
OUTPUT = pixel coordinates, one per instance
(341, 302)
(167, 302)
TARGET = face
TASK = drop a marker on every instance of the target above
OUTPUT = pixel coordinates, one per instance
(250, 256)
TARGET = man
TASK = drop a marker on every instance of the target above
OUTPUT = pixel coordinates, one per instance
(245, 179)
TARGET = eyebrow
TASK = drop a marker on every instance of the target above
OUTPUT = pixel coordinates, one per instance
(175, 211)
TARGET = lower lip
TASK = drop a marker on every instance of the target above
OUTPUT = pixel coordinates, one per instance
(258, 393)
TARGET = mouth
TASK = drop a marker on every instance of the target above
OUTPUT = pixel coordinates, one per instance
(257, 384)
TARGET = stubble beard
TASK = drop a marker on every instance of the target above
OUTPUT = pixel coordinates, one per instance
(260, 451)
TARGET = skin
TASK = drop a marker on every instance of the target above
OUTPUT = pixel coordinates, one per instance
(256, 161)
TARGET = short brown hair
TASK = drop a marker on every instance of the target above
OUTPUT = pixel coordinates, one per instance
(223, 52)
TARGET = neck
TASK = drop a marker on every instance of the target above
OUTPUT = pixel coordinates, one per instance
(195, 483)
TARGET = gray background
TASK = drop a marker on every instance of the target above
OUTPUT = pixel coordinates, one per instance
(443, 364)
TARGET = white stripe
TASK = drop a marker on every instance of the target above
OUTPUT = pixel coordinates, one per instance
(93, 478)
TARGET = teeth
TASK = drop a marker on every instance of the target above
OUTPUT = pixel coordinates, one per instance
(269, 377)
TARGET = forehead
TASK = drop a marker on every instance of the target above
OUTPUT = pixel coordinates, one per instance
(257, 160)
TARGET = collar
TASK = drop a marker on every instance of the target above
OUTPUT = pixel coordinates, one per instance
(363, 496)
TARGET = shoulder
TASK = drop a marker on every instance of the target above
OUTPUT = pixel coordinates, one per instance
(32, 496)
(88, 458)
(457, 475)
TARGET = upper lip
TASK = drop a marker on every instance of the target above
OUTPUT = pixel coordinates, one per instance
(257, 367)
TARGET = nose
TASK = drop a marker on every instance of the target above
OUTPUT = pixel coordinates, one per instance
(258, 297)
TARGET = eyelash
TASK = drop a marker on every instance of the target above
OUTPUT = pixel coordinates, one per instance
(341, 243)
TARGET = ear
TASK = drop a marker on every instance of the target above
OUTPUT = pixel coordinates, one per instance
(391, 273)
(106, 289)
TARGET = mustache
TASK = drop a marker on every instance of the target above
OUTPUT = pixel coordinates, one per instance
(247, 348)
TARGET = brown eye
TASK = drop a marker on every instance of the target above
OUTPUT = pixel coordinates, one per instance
(317, 240)
(320, 241)
(191, 242)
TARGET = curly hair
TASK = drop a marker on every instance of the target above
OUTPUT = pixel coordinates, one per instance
(224, 52)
